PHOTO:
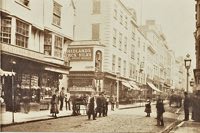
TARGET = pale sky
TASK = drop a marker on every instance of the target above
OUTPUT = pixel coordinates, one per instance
(177, 20)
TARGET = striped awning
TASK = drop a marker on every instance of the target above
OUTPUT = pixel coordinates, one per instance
(6, 73)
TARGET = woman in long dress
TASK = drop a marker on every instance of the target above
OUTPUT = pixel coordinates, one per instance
(54, 104)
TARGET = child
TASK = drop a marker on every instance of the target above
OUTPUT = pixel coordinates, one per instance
(148, 108)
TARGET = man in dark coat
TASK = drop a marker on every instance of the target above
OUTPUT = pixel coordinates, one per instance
(91, 108)
(186, 104)
(160, 110)
(99, 101)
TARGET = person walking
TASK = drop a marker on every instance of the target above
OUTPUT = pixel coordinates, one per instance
(61, 97)
(112, 101)
(160, 110)
(67, 100)
(186, 104)
(92, 107)
(148, 108)
(54, 104)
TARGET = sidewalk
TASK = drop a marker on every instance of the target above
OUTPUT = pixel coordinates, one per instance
(186, 126)
(19, 117)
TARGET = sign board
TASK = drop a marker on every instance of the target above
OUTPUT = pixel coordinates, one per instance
(80, 54)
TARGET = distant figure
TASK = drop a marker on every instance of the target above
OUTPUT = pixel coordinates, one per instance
(62, 96)
(148, 108)
(54, 104)
(112, 102)
(186, 104)
(67, 100)
(160, 111)
(26, 102)
(196, 107)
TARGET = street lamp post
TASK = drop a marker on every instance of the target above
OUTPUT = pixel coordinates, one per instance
(13, 93)
(117, 102)
(187, 66)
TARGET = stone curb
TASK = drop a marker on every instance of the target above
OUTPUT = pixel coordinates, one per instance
(172, 125)
(36, 120)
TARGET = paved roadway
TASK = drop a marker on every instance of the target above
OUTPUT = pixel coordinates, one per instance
(126, 120)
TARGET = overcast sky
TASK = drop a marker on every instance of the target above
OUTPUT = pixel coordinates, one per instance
(177, 20)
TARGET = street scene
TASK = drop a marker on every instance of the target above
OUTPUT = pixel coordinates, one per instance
(100, 66)
(123, 120)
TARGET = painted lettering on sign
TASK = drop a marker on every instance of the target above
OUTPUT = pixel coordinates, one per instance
(80, 54)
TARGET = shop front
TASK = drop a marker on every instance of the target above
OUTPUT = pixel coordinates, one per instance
(33, 84)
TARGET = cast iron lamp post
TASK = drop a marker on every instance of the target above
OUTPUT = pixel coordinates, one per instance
(13, 92)
(187, 66)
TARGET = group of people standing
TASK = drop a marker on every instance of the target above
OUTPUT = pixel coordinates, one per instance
(160, 110)
(59, 97)
(97, 104)
(192, 101)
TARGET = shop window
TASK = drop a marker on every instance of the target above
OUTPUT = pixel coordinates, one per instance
(5, 33)
(56, 13)
(22, 34)
(47, 44)
(58, 47)
(96, 6)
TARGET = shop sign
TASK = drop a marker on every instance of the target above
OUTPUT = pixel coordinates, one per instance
(21, 51)
(80, 54)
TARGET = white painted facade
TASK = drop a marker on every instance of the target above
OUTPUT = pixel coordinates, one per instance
(116, 22)
(39, 15)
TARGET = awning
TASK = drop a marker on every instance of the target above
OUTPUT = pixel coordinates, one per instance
(6, 73)
(58, 70)
(153, 87)
(126, 84)
(134, 86)
(81, 89)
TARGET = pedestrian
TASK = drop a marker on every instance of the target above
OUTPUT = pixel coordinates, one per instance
(67, 100)
(61, 97)
(105, 105)
(54, 104)
(186, 104)
(92, 107)
(99, 102)
(148, 108)
(26, 102)
(160, 110)
(196, 107)
(112, 102)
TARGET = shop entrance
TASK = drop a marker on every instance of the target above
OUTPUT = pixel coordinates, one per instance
(7, 88)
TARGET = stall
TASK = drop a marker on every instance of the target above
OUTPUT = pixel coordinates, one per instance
(2, 98)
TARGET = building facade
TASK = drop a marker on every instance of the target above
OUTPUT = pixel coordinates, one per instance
(197, 45)
(33, 42)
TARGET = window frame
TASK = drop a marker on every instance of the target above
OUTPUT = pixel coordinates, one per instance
(56, 14)
(22, 35)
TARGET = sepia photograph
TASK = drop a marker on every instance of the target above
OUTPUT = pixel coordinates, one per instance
(100, 66)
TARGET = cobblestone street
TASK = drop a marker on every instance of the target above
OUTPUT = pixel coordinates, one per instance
(126, 120)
